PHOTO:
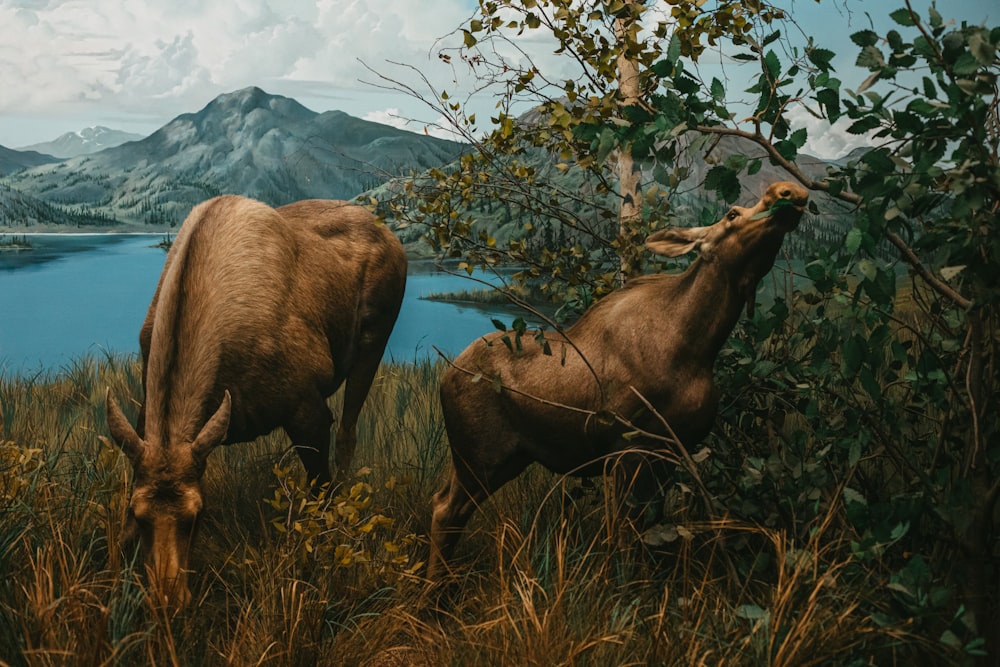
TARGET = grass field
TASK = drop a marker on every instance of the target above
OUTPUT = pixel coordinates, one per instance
(281, 579)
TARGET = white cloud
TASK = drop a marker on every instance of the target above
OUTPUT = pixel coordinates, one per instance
(391, 117)
(161, 59)
(395, 118)
(825, 140)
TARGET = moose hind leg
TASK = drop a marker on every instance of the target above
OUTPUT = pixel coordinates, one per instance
(455, 504)
(356, 388)
(310, 433)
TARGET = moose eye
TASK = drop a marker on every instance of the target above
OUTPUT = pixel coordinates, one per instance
(732, 215)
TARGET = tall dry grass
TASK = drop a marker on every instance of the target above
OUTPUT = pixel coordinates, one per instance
(284, 580)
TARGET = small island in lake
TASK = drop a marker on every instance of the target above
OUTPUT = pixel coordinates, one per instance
(166, 243)
(13, 242)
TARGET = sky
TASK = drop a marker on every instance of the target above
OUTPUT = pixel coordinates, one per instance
(135, 65)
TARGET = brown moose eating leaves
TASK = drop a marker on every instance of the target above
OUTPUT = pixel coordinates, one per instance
(653, 341)
(259, 316)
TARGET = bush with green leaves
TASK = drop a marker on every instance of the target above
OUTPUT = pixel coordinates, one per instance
(870, 386)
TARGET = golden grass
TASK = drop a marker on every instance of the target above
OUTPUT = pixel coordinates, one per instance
(544, 581)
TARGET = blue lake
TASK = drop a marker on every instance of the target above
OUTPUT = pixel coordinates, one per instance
(73, 295)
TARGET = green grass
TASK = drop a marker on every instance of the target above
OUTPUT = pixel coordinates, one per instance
(282, 580)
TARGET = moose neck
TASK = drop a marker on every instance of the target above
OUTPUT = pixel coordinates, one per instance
(715, 293)
(179, 406)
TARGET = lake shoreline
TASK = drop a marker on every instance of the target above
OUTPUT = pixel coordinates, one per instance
(87, 293)
(415, 250)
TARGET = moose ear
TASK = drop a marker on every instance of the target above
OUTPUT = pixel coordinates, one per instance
(676, 241)
(121, 430)
(214, 431)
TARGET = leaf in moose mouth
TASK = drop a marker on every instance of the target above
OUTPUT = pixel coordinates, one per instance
(775, 207)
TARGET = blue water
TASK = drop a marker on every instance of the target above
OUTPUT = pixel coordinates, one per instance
(74, 295)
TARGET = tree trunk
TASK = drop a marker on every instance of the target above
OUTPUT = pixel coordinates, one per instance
(980, 582)
(630, 213)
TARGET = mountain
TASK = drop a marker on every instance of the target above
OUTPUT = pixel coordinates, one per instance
(12, 160)
(86, 141)
(247, 142)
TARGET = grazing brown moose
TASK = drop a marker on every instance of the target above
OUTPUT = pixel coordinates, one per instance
(259, 316)
(658, 337)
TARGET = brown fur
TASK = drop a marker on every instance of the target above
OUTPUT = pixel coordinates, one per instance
(659, 334)
(259, 316)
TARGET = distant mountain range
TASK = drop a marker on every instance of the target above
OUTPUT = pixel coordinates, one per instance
(274, 149)
(86, 141)
(247, 142)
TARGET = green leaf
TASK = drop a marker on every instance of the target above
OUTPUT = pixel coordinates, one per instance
(718, 92)
(854, 349)
(854, 453)
(754, 167)
(724, 181)
(865, 38)
(821, 58)
(869, 383)
(902, 17)
(773, 65)
(830, 99)
(853, 240)
(816, 270)
(787, 149)
(605, 145)
(661, 175)
(935, 15)
(966, 65)
(853, 496)
(500, 326)
(900, 529)
(674, 48)
(799, 137)
(865, 124)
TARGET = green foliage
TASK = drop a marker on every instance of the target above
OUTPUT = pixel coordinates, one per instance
(581, 123)
(867, 389)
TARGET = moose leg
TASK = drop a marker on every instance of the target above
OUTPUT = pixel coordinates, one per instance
(310, 433)
(636, 484)
(454, 504)
(359, 382)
